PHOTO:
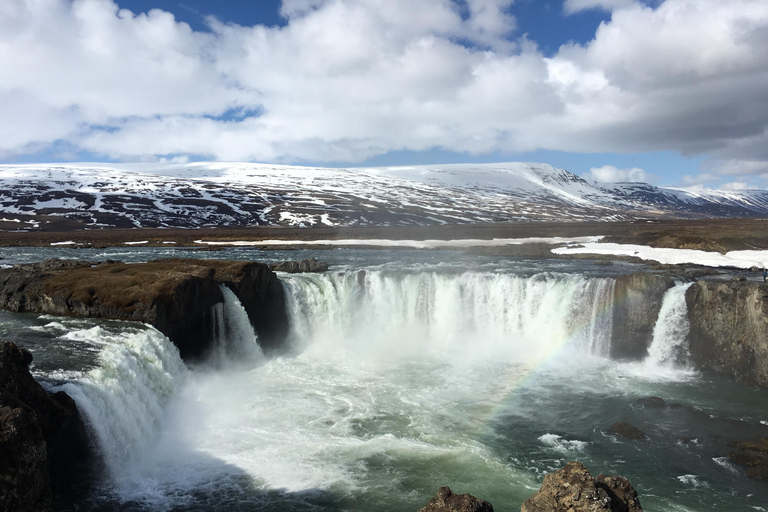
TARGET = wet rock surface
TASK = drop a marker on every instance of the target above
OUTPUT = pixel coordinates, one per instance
(753, 455)
(447, 501)
(174, 295)
(729, 329)
(574, 489)
(295, 267)
(43, 440)
(637, 302)
(627, 430)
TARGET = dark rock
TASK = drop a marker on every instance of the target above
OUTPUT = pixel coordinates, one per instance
(574, 489)
(295, 267)
(446, 501)
(653, 402)
(627, 430)
(729, 329)
(174, 295)
(752, 454)
(738, 278)
(637, 301)
(43, 436)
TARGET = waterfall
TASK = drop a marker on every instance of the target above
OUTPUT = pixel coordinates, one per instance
(234, 340)
(670, 334)
(123, 400)
(470, 313)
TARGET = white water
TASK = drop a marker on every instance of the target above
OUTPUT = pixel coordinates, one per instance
(124, 400)
(669, 347)
(234, 339)
(402, 382)
(379, 315)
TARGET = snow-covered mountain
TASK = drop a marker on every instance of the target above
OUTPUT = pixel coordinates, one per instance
(228, 194)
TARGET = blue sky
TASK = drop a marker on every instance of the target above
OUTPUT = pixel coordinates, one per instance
(672, 92)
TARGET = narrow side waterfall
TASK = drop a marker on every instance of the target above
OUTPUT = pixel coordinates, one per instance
(670, 334)
(467, 314)
(234, 339)
(124, 399)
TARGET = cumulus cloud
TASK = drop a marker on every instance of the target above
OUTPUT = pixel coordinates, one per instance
(345, 80)
(612, 174)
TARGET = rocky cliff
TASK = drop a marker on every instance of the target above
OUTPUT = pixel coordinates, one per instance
(729, 329)
(637, 301)
(43, 441)
(174, 295)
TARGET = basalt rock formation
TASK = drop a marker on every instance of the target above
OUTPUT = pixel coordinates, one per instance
(173, 295)
(43, 441)
(295, 267)
(574, 489)
(637, 302)
(729, 329)
(446, 501)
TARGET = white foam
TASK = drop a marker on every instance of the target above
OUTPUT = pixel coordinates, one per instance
(561, 445)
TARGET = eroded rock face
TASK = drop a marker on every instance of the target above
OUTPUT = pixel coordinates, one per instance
(573, 489)
(43, 440)
(446, 501)
(174, 295)
(637, 301)
(295, 267)
(729, 329)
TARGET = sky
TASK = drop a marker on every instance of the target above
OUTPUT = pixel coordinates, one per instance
(671, 92)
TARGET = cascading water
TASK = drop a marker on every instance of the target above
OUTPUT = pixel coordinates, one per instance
(406, 313)
(124, 399)
(234, 339)
(669, 347)
(404, 378)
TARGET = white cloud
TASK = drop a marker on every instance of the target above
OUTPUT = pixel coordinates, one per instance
(573, 6)
(612, 174)
(348, 79)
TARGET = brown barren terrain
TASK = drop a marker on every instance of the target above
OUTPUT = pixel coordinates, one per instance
(711, 235)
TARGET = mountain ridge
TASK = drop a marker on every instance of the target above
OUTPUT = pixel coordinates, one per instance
(194, 195)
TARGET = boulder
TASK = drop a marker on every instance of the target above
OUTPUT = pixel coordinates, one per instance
(753, 455)
(295, 267)
(627, 430)
(729, 329)
(42, 438)
(174, 295)
(637, 302)
(446, 501)
(574, 489)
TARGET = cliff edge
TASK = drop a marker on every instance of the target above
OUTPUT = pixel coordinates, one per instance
(174, 295)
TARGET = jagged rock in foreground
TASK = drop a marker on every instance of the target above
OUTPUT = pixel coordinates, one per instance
(637, 302)
(174, 295)
(296, 267)
(446, 501)
(43, 440)
(729, 329)
(573, 489)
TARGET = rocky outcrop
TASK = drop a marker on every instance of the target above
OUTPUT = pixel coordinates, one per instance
(174, 295)
(637, 301)
(752, 454)
(43, 440)
(446, 501)
(295, 267)
(574, 489)
(729, 329)
(627, 430)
